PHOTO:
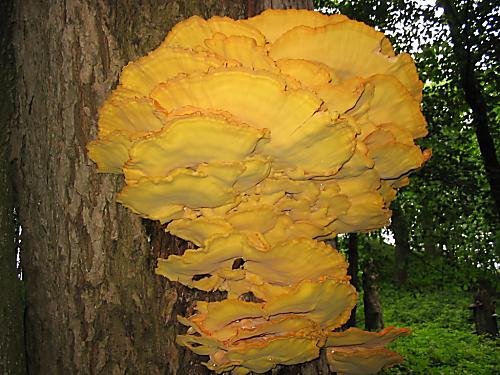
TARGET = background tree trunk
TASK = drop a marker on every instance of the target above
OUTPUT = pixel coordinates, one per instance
(483, 309)
(11, 287)
(93, 303)
(373, 308)
(399, 228)
(352, 270)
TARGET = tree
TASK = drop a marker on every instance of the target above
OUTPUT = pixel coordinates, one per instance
(352, 271)
(93, 303)
(471, 22)
(399, 228)
(373, 309)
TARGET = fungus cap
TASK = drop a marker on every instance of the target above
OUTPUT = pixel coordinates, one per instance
(255, 139)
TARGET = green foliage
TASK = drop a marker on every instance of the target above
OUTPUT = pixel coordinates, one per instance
(441, 351)
(442, 340)
(372, 12)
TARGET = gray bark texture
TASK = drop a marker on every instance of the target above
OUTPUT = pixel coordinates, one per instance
(93, 302)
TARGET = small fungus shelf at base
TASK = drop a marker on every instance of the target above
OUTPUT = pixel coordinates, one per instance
(256, 140)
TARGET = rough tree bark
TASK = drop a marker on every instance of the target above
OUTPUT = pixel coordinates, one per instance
(93, 303)
(11, 288)
(257, 6)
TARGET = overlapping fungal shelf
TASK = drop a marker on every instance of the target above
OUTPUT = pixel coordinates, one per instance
(255, 140)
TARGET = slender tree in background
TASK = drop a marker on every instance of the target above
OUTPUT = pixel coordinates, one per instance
(460, 17)
(399, 228)
(93, 303)
(373, 309)
(352, 271)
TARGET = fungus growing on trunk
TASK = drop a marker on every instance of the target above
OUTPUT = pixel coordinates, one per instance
(255, 140)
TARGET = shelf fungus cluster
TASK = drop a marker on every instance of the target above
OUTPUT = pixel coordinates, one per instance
(255, 140)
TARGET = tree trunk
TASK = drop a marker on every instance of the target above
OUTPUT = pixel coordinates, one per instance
(399, 228)
(12, 359)
(483, 308)
(93, 303)
(257, 6)
(373, 308)
(352, 270)
(460, 33)
(431, 248)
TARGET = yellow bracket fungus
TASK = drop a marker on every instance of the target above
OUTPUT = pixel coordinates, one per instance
(255, 140)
